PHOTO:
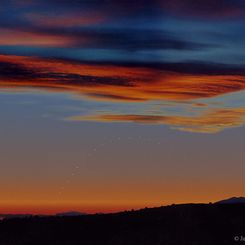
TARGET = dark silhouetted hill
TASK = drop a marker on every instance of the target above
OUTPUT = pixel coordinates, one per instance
(187, 224)
(232, 200)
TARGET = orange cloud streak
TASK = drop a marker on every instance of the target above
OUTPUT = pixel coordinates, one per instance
(25, 38)
(210, 122)
(113, 82)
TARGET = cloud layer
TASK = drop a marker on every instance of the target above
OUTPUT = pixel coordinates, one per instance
(116, 31)
(122, 83)
(213, 121)
(159, 82)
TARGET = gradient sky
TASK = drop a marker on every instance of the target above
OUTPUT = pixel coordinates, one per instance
(110, 105)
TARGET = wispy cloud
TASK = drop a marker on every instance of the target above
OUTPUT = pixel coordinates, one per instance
(212, 121)
(56, 34)
(10, 37)
(136, 84)
(124, 30)
(102, 81)
(65, 19)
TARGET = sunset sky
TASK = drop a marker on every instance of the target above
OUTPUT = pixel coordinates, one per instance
(109, 105)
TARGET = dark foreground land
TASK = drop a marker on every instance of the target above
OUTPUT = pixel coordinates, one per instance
(190, 224)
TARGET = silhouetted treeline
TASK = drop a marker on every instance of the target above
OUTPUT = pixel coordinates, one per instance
(190, 224)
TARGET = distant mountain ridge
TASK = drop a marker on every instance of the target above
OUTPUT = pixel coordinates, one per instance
(232, 200)
(65, 214)
(71, 213)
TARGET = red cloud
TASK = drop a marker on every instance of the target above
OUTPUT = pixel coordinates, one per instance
(10, 37)
(66, 19)
(115, 82)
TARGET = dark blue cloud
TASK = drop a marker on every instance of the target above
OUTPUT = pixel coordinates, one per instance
(161, 30)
